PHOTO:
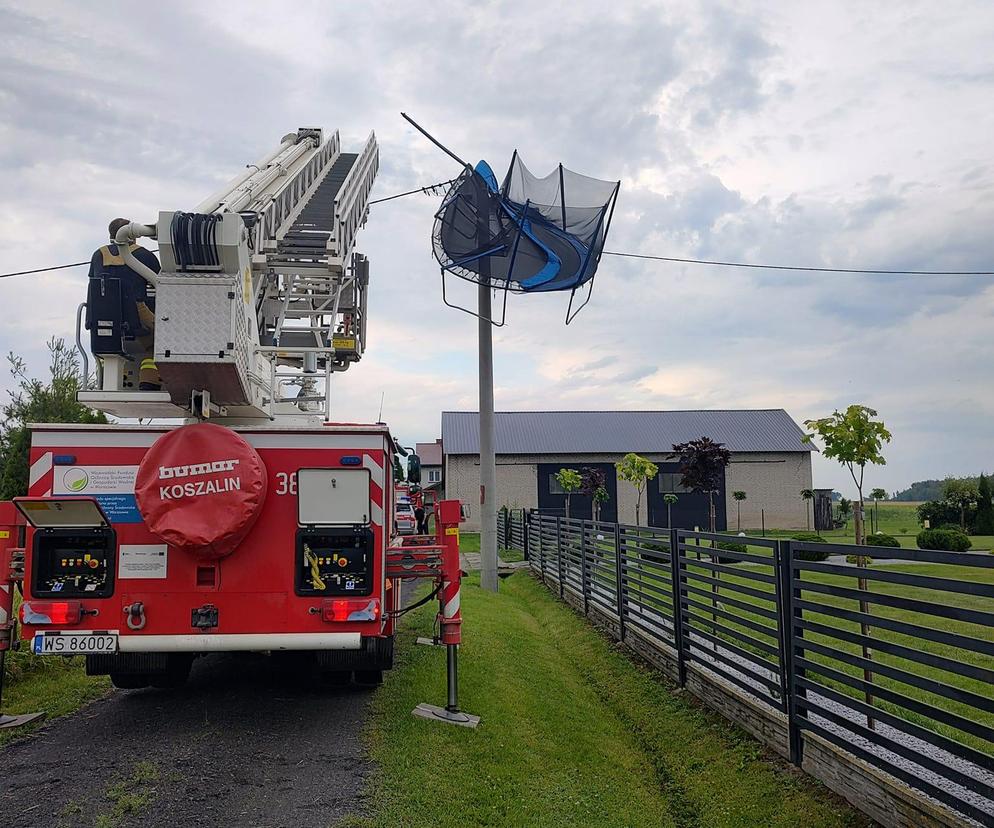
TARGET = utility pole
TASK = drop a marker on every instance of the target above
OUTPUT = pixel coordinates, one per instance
(488, 457)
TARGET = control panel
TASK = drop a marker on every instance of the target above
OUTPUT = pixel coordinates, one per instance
(334, 561)
(73, 563)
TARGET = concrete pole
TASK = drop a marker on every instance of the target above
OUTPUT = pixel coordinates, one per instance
(488, 459)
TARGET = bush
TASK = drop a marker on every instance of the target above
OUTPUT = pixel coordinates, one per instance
(741, 548)
(883, 540)
(940, 513)
(809, 554)
(943, 539)
(810, 537)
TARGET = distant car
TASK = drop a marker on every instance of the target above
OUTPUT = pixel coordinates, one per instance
(404, 519)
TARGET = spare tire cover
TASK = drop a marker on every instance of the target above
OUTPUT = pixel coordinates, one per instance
(201, 488)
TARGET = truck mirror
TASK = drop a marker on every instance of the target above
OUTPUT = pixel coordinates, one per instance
(413, 469)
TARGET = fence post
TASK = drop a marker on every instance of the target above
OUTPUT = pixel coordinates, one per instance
(559, 553)
(583, 566)
(524, 535)
(787, 613)
(619, 582)
(541, 544)
(681, 660)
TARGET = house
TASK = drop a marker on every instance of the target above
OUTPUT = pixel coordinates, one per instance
(431, 466)
(770, 463)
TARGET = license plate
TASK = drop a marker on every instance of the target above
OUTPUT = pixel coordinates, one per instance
(66, 643)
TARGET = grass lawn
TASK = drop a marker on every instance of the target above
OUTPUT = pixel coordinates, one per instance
(896, 518)
(573, 733)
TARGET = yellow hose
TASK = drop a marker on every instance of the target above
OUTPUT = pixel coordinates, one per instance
(317, 582)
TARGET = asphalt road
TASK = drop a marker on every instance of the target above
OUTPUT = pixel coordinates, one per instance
(244, 743)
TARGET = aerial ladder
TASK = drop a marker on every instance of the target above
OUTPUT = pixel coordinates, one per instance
(262, 296)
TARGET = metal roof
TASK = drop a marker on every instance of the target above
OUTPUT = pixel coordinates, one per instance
(618, 432)
(430, 453)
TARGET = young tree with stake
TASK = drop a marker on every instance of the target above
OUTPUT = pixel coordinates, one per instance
(569, 481)
(877, 495)
(854, 438)
(702, 468)
(808, 495)
(638, 471)
(670, 500)
(594, 488)
(739, 496)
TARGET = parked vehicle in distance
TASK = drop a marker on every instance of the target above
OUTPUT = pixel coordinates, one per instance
(404, 518)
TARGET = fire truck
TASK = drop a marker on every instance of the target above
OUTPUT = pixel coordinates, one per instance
(225, 510)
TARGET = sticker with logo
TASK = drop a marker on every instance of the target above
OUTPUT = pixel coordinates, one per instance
(113, 487)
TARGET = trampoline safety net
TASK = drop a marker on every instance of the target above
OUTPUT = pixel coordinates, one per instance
(527, 234)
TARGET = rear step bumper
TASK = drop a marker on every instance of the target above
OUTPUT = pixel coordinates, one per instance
(239, 642)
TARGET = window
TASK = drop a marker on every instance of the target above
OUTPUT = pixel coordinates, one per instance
(670, 482)
(554, 487)
(434, 475)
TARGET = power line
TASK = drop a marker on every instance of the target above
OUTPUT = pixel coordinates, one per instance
(431, 189)
(802, 267)
(43, 269)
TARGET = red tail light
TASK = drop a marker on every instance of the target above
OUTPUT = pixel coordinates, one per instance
(350, 609)
(51, 612)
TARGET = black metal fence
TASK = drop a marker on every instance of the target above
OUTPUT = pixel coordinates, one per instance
(892, 663)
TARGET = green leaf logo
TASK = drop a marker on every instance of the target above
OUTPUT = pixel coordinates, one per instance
(76, 480)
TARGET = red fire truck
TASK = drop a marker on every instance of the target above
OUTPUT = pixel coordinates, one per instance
(225, 511)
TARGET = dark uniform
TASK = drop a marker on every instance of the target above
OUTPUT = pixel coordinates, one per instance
(107, 262)
(418, 502)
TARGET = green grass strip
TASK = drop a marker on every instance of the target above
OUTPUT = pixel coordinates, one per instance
(573, 733)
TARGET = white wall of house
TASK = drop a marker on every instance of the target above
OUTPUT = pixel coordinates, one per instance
(771, 481)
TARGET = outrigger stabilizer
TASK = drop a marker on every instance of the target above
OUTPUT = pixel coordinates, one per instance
(437, 558)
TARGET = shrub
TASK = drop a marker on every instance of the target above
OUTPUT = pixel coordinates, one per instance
(936, 512)
(943, 539)
(883, 540)
(730, 547)
(809, 554)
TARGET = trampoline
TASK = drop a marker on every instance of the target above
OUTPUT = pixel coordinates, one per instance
(525, 234)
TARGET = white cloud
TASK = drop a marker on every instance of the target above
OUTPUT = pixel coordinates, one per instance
(841, 135)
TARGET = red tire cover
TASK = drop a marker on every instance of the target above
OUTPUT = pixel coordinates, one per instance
(200, 488)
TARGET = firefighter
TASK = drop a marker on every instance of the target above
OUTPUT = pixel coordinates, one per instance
(418, 503)
(107, 262)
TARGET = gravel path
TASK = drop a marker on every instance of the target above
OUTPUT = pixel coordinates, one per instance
(244, 743)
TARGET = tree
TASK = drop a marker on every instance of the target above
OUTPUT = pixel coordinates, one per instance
(845, 510)
(35, 401)
(962, 494)
(600, 497)
(702, 468)
(808, 495)
(854, 438)
(592, 486)
(985, 508)
(569, 481)
(877, 495)
(670, 500)
(638, 471)
(739, 496)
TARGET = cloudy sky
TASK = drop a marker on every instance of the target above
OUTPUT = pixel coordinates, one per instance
(842, 134)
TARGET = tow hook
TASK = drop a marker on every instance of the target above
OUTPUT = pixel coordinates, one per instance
(136, 615)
